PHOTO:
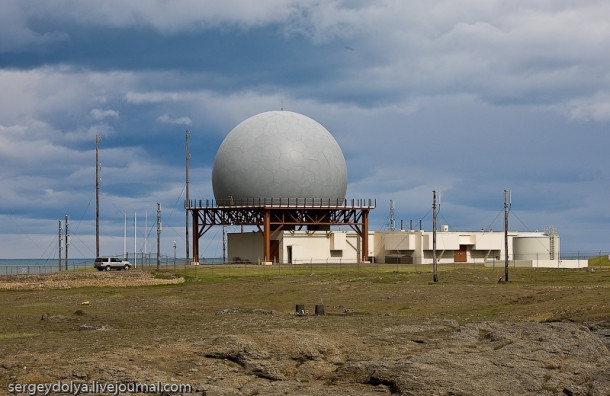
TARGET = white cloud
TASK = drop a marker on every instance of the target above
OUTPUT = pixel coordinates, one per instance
(596, 108)
(99, 114)
(166, 119)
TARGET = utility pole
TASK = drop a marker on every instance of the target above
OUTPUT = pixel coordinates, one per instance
(506, 210)
(158, 236)
(59, 238)
(188, 158)
(125, 235)
(145, 238)
(97, 196)
(67, 233)
(135, 239)
(434, 212)
(224, 244)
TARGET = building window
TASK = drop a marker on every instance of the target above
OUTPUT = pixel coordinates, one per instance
(336, 253)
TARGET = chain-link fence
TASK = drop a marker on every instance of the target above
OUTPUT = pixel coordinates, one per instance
(149, 262)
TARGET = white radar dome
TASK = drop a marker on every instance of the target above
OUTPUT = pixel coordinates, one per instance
(279, 154)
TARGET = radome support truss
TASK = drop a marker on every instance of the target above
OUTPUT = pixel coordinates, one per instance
(273, 215)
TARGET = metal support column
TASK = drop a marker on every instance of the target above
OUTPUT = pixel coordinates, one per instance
(365, 235)
(195, 213)
(267, 235)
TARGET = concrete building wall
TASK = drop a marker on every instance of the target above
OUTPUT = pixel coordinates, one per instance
(247, 246)
(405, 247)
(299, 247)
(416, 247)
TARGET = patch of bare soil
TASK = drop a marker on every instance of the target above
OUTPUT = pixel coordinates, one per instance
(68, 280)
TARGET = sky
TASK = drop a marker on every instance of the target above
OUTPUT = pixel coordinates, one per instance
(468, 98)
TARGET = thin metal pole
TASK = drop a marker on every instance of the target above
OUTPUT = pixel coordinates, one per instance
(145, 236)
(224, 244)
(97, 196)
(59, 244)
(66, 241)
(434, 261)
(188, 158)
(125, 235)
(135, 239)
(158, 236)
(506, 208)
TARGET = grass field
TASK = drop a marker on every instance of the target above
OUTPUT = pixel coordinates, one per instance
(162, 332)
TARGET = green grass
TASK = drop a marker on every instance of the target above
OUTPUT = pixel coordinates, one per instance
(13, 336)
(599, 261)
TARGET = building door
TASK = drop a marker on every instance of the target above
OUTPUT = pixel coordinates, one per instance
(460, 256)
(289, 250)
(275, 250)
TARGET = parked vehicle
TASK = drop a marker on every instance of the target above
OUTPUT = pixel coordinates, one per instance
(108, 263)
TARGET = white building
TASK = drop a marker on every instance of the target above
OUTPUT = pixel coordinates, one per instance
(527, 249)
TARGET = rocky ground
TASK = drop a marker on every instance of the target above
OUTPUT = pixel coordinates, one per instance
(201, 338)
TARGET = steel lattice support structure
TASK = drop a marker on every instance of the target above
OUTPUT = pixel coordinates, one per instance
(272, 215)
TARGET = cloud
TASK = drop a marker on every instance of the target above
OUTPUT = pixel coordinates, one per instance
(165, 119)
(468, 98)
(594, 108)
(99, 114)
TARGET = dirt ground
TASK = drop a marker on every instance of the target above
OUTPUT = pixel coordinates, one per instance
(545, 332)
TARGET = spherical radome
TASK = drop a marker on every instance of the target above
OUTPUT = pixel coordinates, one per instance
(279, 154)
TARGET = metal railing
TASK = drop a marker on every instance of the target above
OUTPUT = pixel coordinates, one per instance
(282, 203)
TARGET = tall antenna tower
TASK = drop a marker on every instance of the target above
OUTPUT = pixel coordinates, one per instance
(135, 239)
(98, 167)
(434, 213)
(124, 235)
(392, 220)
(188, 158)
(59, 239)
(507, 205)
(67, 233)
(224, 244)
(158, 236)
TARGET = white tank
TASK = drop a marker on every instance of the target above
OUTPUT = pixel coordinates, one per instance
(532, 248)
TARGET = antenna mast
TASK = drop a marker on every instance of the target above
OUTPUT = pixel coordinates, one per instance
(434, 212)
(158, 236)
(59, 244)
(188, 158)
(506, 210)
(125, 235)
(97, 197)
(67, 233)
(144, 257)
(392, 221)
(224, 244)
(135, 239)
